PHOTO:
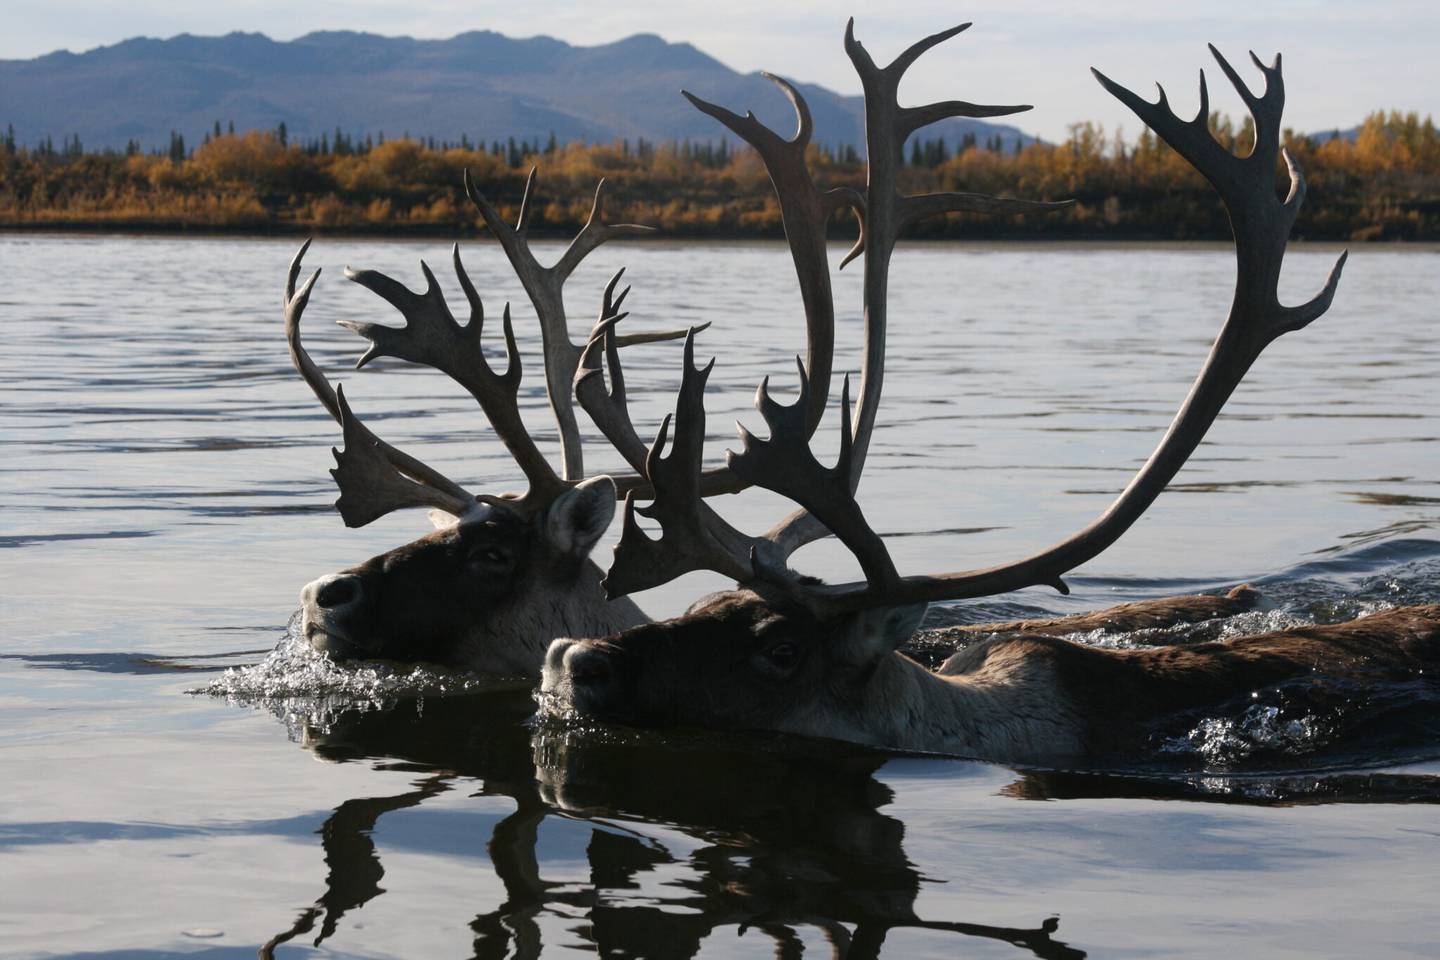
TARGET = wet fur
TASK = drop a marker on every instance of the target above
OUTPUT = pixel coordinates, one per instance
(486, 594)
(1024, 696)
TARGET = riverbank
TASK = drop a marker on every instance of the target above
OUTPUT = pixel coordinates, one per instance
(1385, 185)
(468, 231)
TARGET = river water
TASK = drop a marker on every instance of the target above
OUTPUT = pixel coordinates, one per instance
(165, 495)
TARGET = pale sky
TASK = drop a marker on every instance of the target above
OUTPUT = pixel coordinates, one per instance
(1342, 60)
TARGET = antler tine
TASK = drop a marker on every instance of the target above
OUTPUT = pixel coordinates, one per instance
(374, 477)
(522, 219)
(886, 80)
(1261, 223)
(786, 464)
(692, 536)
(610, 315)
(294, 305)
(884, 214)
(371, 486)
(1247, 186)
(595, 232)
(804, 212)
(432, 337)
(609, 409)
(545, 288)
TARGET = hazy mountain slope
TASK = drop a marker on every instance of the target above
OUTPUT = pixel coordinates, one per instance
(480, 84)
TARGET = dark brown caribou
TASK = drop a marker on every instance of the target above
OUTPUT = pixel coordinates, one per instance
(504, 574)
(785, 652)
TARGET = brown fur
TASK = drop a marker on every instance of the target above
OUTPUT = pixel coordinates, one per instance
(933, 646)
(1123, 618)
(736, 661)
(1117, 691)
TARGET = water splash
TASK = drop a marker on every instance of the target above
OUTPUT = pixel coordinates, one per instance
(1261, 730)
(309, 692)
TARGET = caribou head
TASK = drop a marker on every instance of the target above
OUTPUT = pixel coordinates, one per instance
(786, 652)
(481, 592)
(503, 574)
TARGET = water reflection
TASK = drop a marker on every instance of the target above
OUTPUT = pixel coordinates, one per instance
(789, 837)
(784, 839)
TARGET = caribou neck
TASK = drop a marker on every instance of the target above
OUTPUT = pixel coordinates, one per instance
(514, 640)
(1000, 711)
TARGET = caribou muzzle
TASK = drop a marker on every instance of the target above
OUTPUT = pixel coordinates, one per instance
(333, 609)
(582, 678)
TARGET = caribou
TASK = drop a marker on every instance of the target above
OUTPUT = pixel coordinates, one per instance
(788, 653)
(506, 574)
(503, 574)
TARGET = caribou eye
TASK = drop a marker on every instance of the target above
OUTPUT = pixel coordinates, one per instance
(489, 555)
(783, 656)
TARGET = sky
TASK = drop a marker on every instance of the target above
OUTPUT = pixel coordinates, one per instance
(1342, 60)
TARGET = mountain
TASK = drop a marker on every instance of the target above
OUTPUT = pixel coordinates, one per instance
(480, 84)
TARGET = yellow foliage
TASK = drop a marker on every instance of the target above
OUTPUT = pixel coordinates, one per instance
(1383, 183)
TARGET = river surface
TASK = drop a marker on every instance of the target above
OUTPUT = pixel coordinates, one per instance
(164, 494)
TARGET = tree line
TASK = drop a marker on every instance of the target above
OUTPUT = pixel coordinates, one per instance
(1381, 184)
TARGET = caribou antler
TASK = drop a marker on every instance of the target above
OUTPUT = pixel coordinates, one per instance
(693, 537)
(432, 337)
(374, 477)
(545, 288)
(886, 212)
(805, 211)
(1261, 223)
(784, 463)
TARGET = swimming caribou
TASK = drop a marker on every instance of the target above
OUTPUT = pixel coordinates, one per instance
(507, 574)
(504, 575)
(788, 653)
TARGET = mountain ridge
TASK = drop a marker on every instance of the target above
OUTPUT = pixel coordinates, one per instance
(480, 84)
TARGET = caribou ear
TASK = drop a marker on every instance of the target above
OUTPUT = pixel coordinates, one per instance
(874, 633)
(580, 515)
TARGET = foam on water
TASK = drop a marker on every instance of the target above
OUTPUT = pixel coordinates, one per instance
(1261, 729)
(306, 689)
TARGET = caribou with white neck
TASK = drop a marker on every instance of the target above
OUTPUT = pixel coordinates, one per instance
(787, 653)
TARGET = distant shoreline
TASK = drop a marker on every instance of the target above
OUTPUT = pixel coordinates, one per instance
(1058, 237)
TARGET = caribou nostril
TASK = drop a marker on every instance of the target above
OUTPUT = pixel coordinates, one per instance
(339, 592)
(587, 665)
